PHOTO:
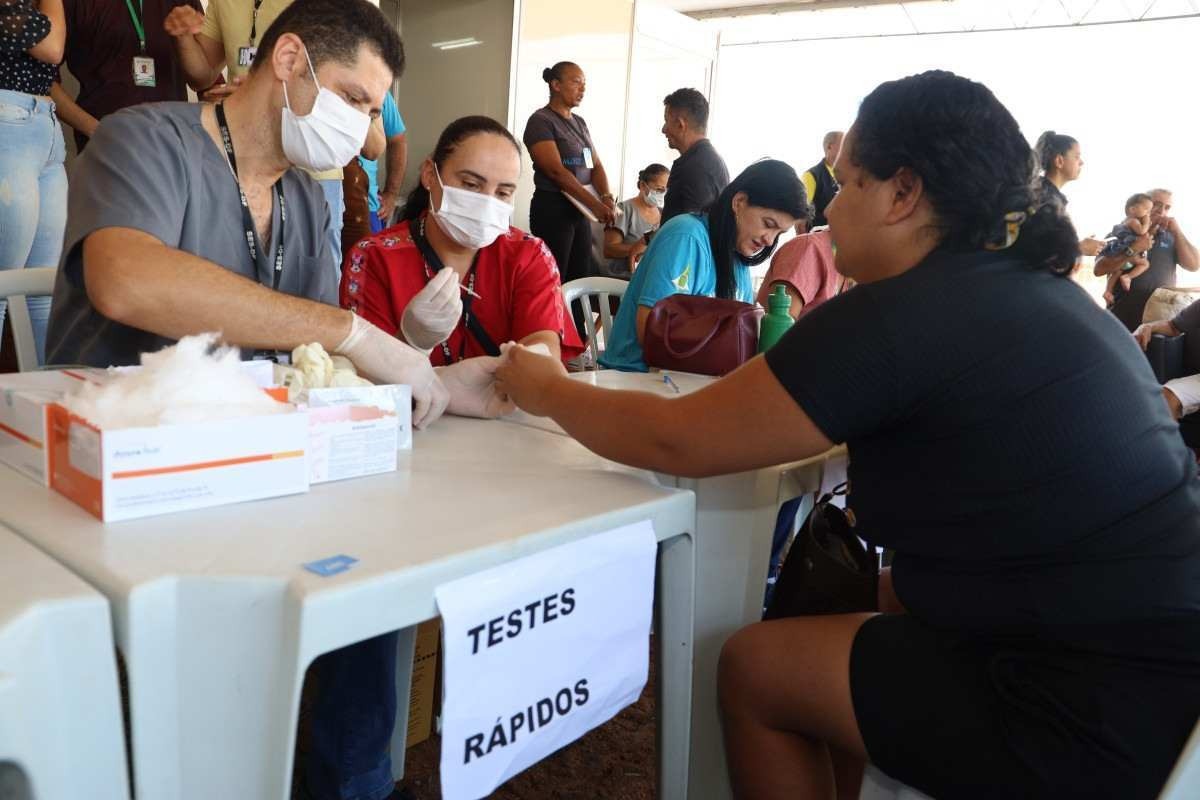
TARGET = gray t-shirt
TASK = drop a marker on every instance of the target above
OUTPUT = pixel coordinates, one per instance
(632, 226)
(153, 168)
(571, 136)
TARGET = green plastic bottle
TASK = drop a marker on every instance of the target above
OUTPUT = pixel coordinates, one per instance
(777, 320)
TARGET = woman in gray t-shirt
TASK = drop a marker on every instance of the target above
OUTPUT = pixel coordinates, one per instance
(566, 165)
(625, 238)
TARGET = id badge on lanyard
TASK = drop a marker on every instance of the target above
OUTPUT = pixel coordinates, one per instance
(143, 71)
(143, 65)
(587, 158)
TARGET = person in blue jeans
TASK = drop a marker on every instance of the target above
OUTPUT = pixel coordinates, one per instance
(33, 182)
(708, 254)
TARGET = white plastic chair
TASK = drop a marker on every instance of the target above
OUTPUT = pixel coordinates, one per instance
(15, 285)
(583, 290)
(61, 733)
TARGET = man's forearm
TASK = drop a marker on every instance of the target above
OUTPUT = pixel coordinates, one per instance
(136, 280)
(197, 71)
(397, 161)
(1186, 252)
(1107, 265)
(70, 112)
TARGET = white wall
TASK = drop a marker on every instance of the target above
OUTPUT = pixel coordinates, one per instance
(439, 86)
(670, 51)
(596, 36)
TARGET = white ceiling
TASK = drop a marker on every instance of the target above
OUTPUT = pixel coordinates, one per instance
(693, 6)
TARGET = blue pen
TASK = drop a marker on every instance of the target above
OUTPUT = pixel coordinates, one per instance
(667, 380)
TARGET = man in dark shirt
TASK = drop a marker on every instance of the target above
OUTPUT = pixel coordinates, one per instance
(819, 184)
(699, 174)
(121, 57)
(1182, 394)
(1168, 247)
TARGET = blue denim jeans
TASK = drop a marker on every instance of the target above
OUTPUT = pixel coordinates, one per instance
(33, 194)
(352, 721)
(336, 201)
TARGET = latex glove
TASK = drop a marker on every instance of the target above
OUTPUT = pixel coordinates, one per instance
(386, 359)
(472, 387)
(314, 363)
(430, 317)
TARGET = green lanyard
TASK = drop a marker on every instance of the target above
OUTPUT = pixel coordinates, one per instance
(136, 16)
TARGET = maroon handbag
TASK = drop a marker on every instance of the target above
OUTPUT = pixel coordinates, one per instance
(705, 335)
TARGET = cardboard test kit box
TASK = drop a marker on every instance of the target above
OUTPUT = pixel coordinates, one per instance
(138, 472)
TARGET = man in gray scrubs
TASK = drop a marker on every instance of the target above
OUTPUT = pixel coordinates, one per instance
(189, 218)
(175, 228)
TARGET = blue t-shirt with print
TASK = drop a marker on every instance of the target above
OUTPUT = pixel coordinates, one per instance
(679, 260)
(393, 125)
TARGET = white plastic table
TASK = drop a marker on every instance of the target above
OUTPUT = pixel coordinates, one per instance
(735, 523)
(60, 711)
(217, 620)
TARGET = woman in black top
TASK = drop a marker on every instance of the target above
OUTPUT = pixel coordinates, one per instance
(1061, 163)
(33, 214)
(1041, 634)
(564, 163)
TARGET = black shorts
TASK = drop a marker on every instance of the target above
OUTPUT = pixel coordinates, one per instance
(972, 717)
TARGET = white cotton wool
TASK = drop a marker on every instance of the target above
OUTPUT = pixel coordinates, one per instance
(179, 384)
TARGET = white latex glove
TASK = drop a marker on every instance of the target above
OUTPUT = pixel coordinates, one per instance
(430, 317)
(472, 387)
(386, 359)
(314, 363)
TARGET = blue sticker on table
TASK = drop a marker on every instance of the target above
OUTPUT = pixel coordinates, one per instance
(331, 566)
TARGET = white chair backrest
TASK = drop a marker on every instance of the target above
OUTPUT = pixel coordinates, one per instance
(1184, 782)
(583, 290)
(15, 284)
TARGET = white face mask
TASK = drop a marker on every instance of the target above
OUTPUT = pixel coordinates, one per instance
(329, 136)
(656, 198)
(472, 219)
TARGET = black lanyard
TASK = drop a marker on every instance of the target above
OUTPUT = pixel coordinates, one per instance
(247, 219)
(576, 127)
(433, 264)
(254, 21)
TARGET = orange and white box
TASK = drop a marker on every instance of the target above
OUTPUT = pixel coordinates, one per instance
(139, 472)
(356, 431)
(24, 398)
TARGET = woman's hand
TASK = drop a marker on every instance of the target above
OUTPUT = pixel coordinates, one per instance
(603, 212)
(527, 378)
(1091, 246)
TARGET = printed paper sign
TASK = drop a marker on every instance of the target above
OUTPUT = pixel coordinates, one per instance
(540, 651)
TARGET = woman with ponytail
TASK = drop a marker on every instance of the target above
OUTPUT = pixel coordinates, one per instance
(1007, 440)
(708, 254)
(453, 278)
(1062, 162)
(566, 164)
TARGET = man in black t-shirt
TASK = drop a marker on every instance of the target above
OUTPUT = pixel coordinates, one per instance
(1168, 247)
(699, 174)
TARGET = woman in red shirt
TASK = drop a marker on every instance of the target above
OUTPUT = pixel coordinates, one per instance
(453, 277)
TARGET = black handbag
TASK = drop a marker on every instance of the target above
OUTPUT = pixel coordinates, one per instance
(827, 569)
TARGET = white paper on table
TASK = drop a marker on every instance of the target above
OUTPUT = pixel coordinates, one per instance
(560, 677)
(587, 212)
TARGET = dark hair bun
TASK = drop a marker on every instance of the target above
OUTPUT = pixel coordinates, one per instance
(547, 74)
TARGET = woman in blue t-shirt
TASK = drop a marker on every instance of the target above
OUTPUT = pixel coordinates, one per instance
(1040, 634)
(708, 254)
